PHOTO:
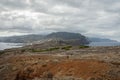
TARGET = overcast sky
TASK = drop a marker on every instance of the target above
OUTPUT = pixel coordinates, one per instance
(96, 18)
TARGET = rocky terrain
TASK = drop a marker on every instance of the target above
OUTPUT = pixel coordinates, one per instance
(60, 63)
(60, 56)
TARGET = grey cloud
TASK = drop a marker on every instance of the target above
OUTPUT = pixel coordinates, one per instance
(89, 17)
(13, 4)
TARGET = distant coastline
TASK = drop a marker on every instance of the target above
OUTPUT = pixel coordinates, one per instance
(104, 44)
(5, 45)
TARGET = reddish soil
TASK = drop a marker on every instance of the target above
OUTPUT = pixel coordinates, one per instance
(89, 64)
(46, 66)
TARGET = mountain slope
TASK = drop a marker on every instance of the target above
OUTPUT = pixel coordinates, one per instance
(62, 37)
(21, 39)
(65, 35)
(69, 38)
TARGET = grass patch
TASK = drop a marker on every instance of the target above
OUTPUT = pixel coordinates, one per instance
(66, 47)
(83, 47)
(23, 50)
(2, 52)
(52, 49)
(44, 50)
(34, 50)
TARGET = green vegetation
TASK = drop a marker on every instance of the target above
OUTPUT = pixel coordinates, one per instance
(34, 50)
(83, 46)
(55, 48)
(43, 50)
(23, 50)
(66, 47)
(52, 49)
(2, 52)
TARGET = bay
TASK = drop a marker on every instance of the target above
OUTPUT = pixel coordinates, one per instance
(17, 45)
(104, 44)
(9, 45)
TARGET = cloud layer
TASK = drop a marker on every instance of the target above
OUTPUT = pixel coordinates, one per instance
(90, 17)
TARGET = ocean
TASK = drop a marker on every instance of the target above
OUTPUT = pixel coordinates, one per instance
(104, 44)
(15, 45)
(9, 45)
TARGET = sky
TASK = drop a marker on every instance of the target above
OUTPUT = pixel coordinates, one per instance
(94, 18)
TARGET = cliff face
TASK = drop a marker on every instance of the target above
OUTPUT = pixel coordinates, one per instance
(69, 38)
(65, 35)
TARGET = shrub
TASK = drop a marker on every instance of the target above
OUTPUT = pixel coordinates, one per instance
(83, 47)
(2, 52)
(23, 50)
(66, 47)
(52, 49)
(43, 50)
(48, 76)
(35, 50)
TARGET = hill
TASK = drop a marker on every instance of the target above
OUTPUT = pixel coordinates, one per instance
(58, 37)
(21, 39)
(63, 37)
(69, 38)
